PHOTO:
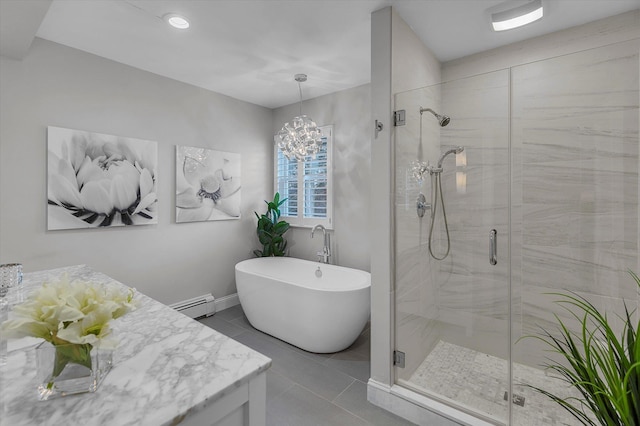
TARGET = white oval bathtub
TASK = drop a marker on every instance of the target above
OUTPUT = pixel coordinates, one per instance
(283, 297)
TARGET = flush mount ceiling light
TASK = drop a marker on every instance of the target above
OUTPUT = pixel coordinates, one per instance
(506, 17)
(301, 137)
(176, 21)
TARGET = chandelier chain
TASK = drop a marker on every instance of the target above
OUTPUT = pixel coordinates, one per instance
(300, 90)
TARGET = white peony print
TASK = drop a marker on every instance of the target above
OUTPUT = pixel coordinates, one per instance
(99, 180)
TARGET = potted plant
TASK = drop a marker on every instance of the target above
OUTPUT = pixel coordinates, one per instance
(603, 367)
(271, 230)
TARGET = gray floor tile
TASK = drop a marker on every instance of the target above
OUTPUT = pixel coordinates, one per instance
(243, 322)
(354, 400)
(306, 389)
(354, 361)
(358, 369)
(362, 345)
(277, 384)
(320, 379)
(231, 313)
(300, 407)
(223, 326)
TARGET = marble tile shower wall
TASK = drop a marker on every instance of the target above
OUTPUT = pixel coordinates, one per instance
(461, 299)
(416, 304)
(567, 127)
(575, 182)
(473, 295)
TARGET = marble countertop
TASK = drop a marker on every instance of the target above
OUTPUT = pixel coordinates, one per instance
(166, 367)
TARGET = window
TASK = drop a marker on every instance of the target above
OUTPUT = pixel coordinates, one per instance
(307, 185)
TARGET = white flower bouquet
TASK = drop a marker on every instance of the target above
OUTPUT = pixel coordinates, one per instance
(73, 316)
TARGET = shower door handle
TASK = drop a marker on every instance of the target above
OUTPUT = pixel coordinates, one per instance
(493, 247)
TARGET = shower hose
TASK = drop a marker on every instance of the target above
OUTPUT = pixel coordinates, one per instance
(436, 187)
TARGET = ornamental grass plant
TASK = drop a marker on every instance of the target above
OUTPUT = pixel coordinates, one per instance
(602, 365)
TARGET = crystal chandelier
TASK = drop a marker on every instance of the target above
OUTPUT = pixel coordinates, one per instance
(301, 137)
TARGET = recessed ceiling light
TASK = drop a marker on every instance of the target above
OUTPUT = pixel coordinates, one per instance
(518, 16)
(176, 21)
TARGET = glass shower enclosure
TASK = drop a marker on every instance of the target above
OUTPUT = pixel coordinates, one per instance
(538, 194)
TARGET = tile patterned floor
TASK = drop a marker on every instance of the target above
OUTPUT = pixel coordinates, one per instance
(473, 379)
(305, 389)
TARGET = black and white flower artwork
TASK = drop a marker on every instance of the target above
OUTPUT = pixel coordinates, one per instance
(98, 180)
(207, 184)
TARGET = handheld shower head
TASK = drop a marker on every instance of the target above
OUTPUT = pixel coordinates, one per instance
(442, 119)
(456, 150)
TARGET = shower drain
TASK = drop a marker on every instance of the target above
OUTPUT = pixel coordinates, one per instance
(517, 399)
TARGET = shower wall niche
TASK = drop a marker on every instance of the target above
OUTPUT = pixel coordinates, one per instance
(551, 158)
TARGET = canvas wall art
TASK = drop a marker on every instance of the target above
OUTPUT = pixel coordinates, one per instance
(97, 180)
(207, 184)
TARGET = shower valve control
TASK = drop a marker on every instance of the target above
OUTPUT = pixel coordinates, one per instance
(421, 205)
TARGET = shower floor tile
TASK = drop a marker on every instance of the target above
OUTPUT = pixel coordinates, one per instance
(479, 382)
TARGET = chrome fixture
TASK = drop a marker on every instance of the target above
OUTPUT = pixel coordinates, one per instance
(438, 168)
(319, 272)
(302, 137)
(493, 247)
(436, 190)
(506, 17)
(418, 169)
(378, 127)
(323, 256)
(442, 119)
(421, 205)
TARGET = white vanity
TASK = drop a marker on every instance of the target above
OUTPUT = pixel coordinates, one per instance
(167, 370)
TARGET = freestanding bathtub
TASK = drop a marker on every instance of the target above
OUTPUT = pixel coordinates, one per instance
(317, 307)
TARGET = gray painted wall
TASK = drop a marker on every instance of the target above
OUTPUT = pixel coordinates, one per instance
(59, 86)
(350, 113)
(400, 62)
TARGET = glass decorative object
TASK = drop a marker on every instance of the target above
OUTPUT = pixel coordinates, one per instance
(70, 369)
(418, 169)
(301, 137)
(10, 277)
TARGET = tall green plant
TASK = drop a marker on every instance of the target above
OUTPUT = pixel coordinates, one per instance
(605, 369)
(271, 229)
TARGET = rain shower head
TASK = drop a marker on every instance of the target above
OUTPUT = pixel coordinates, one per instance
(456, 150)
(442, 119)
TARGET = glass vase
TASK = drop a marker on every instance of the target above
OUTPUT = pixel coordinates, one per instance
(70, 369)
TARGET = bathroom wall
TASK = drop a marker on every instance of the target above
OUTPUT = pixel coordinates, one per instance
(459, 297)
(414, 66)
(576, 159)
(59, 86)
(400, 62)
(350, 113)
(574, 176)
(587, 36)
(418, 140)
(539, 241)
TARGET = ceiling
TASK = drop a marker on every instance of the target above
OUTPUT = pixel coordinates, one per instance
(251, 49)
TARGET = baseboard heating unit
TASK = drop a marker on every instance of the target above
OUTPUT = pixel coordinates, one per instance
(197, 307)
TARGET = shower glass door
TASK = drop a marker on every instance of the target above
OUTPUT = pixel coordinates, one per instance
(574, 143)
(550, 162)
(452, 272)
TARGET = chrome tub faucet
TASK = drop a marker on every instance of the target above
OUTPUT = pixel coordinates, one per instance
(325, 254)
